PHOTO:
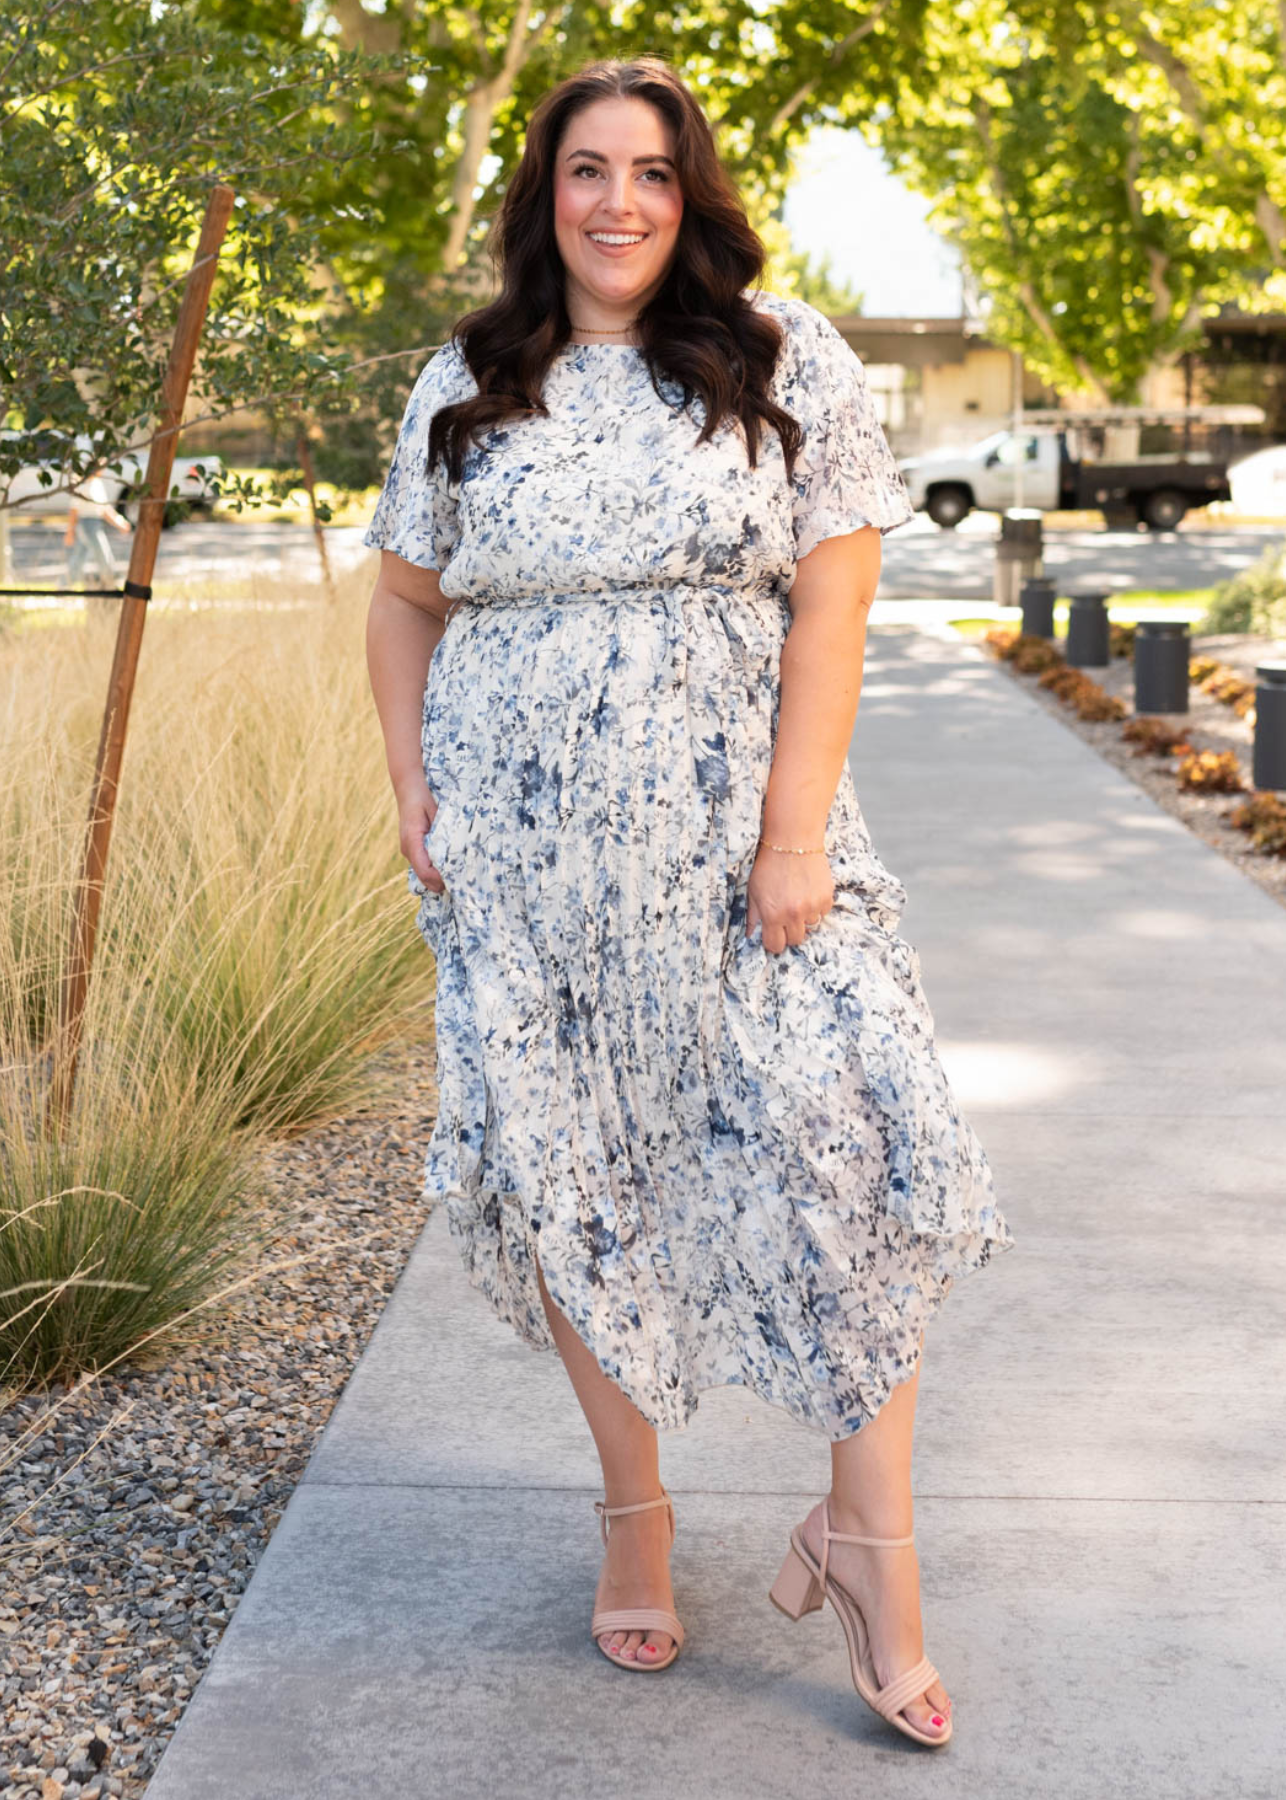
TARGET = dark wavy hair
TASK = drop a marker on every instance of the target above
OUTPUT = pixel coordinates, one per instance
(698, 329)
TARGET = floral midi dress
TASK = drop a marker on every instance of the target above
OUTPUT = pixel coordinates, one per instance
(735, 1166)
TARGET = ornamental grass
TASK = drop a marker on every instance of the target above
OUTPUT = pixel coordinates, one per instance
(256, 947)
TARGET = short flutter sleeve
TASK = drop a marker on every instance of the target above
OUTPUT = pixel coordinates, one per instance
(845, 474)
(417, 514)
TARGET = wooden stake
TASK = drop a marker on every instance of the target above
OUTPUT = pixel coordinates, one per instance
(129, 638)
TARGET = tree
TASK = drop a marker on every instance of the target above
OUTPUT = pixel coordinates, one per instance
(448, 117)
(117, 117)
(764, 72)
(1109, 174)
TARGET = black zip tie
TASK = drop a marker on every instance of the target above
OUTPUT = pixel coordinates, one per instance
(137, 591)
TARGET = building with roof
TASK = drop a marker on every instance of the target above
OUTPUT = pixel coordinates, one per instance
(941, 382)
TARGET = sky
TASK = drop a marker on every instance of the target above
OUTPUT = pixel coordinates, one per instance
(845, 201)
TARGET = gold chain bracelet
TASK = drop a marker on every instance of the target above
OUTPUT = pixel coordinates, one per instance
(791, 849)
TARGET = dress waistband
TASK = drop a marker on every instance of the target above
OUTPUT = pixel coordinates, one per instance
(766, 590)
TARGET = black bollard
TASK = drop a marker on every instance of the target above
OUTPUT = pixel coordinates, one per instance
(1161, 651)
(1037, 599)
(1269, 769)
(1088, 638)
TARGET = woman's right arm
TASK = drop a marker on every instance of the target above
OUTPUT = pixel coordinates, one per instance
(404, 626)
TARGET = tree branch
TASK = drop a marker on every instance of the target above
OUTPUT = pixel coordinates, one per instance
(788, 108)
(95, 69)
(141, 448)
(52, 9)
(480, 107)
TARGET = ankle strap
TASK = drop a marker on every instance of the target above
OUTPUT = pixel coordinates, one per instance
(606, 1512)
(851, 1537)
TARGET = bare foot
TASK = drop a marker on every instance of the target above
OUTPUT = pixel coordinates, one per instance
(886, 1586)
(636, 1572)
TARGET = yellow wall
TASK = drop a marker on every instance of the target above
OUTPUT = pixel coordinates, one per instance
(963, 401)
(984, 378)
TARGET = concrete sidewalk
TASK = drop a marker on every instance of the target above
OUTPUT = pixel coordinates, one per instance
(1099, 1485)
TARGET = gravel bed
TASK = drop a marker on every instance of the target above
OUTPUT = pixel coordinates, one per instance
(1209, 725)
(116, 1586)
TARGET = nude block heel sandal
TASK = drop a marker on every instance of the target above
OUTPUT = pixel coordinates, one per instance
(636, 1618)
(801, 1587)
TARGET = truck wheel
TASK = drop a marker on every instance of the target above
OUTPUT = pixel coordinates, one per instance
(946, 506)
(1163, 510)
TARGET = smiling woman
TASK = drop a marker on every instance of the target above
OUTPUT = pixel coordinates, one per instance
(693, 1130)
(618, 204)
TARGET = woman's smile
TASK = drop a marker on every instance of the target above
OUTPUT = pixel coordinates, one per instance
(616, 243)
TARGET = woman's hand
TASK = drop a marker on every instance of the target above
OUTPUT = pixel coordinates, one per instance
(786, 894)
(416, 811)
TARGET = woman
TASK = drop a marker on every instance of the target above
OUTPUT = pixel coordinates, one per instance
(692, 1127)
(89, 513)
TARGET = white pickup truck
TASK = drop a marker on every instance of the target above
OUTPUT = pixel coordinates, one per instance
(1062, 460)
(195, 479)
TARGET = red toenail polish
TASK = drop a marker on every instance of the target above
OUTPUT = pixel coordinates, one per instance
(937, 1720)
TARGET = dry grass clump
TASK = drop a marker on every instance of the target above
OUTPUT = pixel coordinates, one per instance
(1086, 698)
(1263, 815)
(255, 947)
(1211, 772)
(1225, 684)
(1155, 737)
(1031, 655)
(1028, 653)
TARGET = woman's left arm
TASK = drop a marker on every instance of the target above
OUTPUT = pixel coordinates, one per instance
(821, 683)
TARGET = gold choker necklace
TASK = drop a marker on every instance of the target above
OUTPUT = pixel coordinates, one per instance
(606, 331)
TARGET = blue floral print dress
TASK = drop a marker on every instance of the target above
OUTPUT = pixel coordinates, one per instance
(735, 1166)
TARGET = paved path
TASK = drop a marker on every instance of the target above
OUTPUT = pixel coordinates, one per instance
(1101, 1501)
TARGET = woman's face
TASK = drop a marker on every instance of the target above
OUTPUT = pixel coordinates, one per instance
(614, 173)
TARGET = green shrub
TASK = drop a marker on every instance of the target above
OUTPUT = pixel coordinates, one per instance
(1254, 600)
